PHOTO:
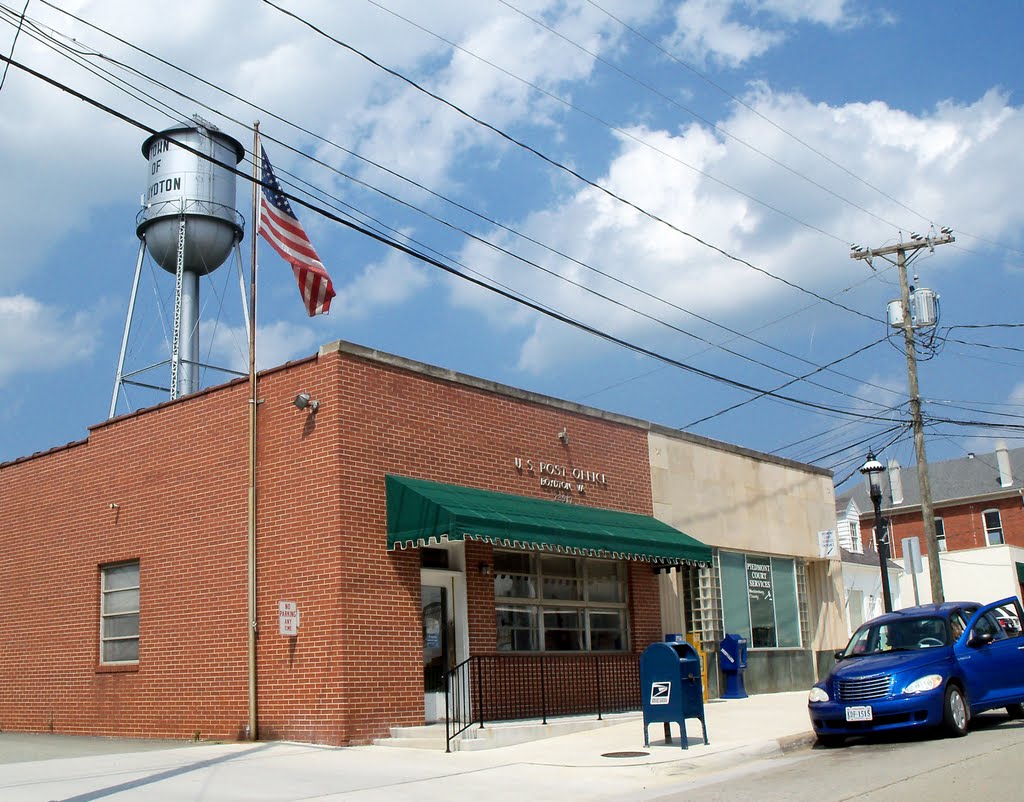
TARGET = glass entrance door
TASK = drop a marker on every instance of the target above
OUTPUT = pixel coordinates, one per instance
(435, 637)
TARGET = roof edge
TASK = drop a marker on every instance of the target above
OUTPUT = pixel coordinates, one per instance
(446, 374)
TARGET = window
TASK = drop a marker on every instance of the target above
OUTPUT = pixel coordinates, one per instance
(555, 603)
(856, 544)
(907, 634)
(993, 527)
(940, 533)
(957, 624)
(760, 600)
(119, 613)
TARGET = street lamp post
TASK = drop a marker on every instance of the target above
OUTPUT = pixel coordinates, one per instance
(872, 470)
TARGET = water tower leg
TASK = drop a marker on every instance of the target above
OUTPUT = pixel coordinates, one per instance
(127, 329)
(189, 343)
(178, 279)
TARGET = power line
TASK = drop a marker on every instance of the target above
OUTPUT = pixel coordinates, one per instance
(783, 386)
(900, 435)
(707, 122)
(704, 77)
(899, 430)
(553, 162)
(751, 109)
(467, 209)
(17, 33)
(990, 346)
(832, 431)
(548, 312)
(476, 238)
(634, 137)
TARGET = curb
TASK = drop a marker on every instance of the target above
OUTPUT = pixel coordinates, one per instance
(790, 743)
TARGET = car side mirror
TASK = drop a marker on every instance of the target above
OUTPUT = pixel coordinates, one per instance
(839, 655)
(980, 640)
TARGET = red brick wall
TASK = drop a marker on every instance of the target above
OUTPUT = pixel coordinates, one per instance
(415, 425)
(181, 513)
(964, 525)
(179, 474)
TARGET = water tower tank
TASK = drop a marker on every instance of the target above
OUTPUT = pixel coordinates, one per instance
(181, 182)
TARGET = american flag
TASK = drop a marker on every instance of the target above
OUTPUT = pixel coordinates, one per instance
(282, 229)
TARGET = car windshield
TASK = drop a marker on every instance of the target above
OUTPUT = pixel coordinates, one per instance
(903, 634)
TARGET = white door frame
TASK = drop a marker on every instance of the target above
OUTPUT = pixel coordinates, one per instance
(455, 583)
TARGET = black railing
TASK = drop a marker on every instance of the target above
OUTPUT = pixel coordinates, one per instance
(507, 687)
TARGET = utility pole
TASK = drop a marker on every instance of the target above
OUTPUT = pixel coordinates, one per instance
(907, 324)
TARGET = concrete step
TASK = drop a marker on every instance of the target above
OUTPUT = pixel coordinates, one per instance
(498, 734)
(436, 744)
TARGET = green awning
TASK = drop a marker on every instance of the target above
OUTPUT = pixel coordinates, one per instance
(1020, 573)
(421, 513)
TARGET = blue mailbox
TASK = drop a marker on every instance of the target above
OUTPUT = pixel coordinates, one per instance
(671, 689)
(732, 659)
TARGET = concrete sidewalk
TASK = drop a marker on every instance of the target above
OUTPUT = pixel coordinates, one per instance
(583, 765)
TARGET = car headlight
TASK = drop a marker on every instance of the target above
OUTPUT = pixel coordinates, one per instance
(927, 683)
(817, 695)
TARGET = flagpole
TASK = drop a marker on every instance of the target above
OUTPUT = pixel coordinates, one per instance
(253, 402)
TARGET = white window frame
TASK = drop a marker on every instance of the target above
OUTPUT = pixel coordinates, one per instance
(538, 605)
(109, 616)
(989, 532)
(856, 544)
(940, 534)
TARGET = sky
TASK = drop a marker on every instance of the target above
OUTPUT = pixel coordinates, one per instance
(684, 180)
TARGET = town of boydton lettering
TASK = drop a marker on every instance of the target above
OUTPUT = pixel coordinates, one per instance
(172, 184)
(563, 480)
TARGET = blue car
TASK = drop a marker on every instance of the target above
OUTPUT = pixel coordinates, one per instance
(932, 666)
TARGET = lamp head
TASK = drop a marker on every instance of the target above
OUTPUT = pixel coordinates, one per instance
(304, 401)
(872, 471)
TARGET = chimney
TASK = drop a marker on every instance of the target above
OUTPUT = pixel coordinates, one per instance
(895, 482)
(1003, 460)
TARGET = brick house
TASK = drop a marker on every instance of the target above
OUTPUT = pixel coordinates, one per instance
(408, 520)
(978, 502)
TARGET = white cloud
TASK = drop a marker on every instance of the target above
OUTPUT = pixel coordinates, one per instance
(824, 12)
(76, 161)
(487, 78)
(705, 32)
(732, 33)
(948, 163)
(276, 343)
(390, 282)
(36, 337)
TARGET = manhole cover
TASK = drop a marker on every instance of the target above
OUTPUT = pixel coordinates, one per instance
(625, 754)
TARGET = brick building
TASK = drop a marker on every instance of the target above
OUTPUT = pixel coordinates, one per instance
(978, 501)
(410, 519)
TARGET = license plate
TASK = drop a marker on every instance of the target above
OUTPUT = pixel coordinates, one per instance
(861, 713)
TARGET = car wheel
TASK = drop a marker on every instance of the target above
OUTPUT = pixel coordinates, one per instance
(831, 741)
(954, 712)
(1015, 710)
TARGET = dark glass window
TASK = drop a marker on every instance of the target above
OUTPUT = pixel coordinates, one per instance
(119, 613)
(559, 603)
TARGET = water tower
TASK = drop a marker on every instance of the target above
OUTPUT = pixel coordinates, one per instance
(189, 224)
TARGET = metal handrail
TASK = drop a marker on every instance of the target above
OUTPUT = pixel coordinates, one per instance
(511, 687)
(456, 702)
